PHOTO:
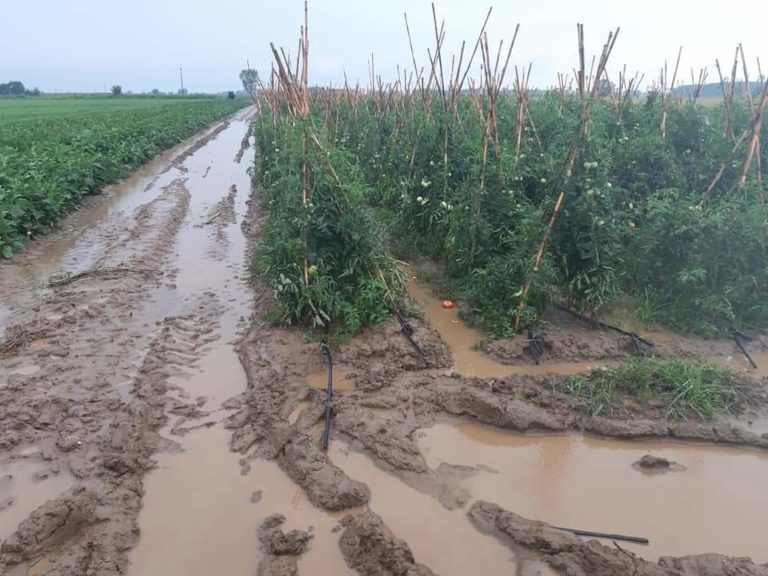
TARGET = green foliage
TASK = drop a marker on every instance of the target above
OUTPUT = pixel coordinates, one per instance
(628, 227)
(117, 90)
(685, 388)
(351, 281)
(47, 165)
(707, 269)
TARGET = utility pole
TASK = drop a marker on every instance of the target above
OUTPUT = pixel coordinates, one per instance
(181, 76)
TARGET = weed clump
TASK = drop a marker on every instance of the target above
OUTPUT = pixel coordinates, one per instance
(685, 388)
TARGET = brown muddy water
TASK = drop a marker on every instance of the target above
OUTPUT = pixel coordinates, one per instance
(442, 539)
(461, 339)
(202, 507)
(200, 517)
(717, 504)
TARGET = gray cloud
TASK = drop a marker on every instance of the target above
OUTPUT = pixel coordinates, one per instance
(83, 45)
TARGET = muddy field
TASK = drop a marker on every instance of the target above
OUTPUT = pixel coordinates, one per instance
(153, 422)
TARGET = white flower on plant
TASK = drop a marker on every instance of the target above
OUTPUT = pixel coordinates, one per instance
(419, 199)
(444, 204)
(425, 183)
(609, 185)
(431, 163)
(631, 224)
(631, 205)
(543, 180)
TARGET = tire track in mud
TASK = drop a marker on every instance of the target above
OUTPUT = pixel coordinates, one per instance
(220, 217)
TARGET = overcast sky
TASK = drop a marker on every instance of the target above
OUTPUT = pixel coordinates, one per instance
(85, 45)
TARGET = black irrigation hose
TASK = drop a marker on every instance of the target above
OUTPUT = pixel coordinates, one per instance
(633, 335)
(407, 331)
(326, 350)
(737, 337)
(635, 539)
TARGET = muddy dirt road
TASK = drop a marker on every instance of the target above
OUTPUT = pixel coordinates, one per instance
(152, 422)
(118, 344)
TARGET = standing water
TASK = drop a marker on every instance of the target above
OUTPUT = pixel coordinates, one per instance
(717, 503)
(201, 509)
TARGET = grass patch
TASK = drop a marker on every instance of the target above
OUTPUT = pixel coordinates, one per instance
(685, 388)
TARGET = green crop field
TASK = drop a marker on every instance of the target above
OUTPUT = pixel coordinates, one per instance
(41, 107)
(53, 151)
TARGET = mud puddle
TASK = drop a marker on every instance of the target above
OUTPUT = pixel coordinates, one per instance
(341, 381)
(196, 515)
(462, 339)
(717, 504)
(201, 514)
(444, 540)
(25, 484)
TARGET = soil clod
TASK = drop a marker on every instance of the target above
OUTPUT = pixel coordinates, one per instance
(370, 548)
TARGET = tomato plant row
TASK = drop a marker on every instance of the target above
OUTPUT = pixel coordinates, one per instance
(639, 222)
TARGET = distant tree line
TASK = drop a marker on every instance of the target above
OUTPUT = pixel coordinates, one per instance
(16, 88)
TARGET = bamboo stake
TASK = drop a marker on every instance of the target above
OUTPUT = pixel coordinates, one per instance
(748, 94)
(757, 124)
(587, 99)
(666, 93)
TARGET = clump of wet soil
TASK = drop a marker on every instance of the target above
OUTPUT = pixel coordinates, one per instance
(657, 465)
(572, 556)
(370, 548)
(281, 549)
(51, 526)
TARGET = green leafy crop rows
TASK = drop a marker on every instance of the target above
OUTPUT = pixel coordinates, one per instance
(48, 164)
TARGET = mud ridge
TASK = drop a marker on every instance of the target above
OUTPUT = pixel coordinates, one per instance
(220, 216)
(370, 548)
(245, 143)
(571, 556)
